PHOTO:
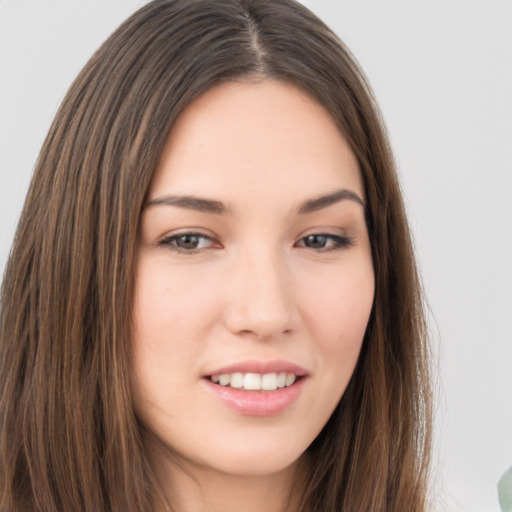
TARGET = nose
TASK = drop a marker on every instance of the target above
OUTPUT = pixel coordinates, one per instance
(260, 297)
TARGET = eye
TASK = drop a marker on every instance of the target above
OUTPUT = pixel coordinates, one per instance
(324, 242)
(188, 243)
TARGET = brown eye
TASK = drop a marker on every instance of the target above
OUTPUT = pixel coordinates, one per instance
(316, 241)
(324, 242)
(188, 243)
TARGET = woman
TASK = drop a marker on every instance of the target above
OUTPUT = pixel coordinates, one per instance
(212, 298)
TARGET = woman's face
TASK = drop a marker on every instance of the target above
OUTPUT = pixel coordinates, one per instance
(254, 271)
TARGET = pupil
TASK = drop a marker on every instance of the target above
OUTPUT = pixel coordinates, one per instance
(316, 241)
(188, 241)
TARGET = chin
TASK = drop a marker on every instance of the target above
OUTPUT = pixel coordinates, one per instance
(240, 468)
(259, 466)
(250, 458)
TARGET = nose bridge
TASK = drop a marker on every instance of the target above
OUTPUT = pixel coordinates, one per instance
(261, 302)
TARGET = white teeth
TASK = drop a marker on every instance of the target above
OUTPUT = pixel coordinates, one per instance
(269, 382)
(255, 381)
(224, 379)
(237, 380)
(290, 379)
(252, 381)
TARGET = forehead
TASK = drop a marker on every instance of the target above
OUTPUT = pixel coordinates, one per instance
(242, 139)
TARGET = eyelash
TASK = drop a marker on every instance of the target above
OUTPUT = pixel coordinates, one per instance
(339, 242)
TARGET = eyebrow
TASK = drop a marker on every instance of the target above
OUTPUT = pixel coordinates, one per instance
(192, 203)
(217, 207)
(318, 203)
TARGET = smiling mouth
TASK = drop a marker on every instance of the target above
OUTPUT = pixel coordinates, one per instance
(255, 381)
(256, 388)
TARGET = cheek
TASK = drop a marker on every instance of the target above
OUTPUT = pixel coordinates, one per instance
(169, 300)
(160, 321)
(338, 311)
(338, 314)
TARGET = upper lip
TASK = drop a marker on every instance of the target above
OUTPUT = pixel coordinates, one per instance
(262, 367)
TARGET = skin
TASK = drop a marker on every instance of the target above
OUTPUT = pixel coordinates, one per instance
(253, 288)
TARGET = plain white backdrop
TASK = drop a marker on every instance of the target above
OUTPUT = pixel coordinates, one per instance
(442, 72)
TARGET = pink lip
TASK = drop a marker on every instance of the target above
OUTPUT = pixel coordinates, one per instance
(258, 403)
(273, 366)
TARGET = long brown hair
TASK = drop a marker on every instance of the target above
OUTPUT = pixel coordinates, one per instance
(69, 438)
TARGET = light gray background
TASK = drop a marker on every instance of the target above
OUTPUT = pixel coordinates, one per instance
(442, 72)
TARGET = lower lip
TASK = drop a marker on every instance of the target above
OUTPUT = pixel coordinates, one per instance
(257, 403)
